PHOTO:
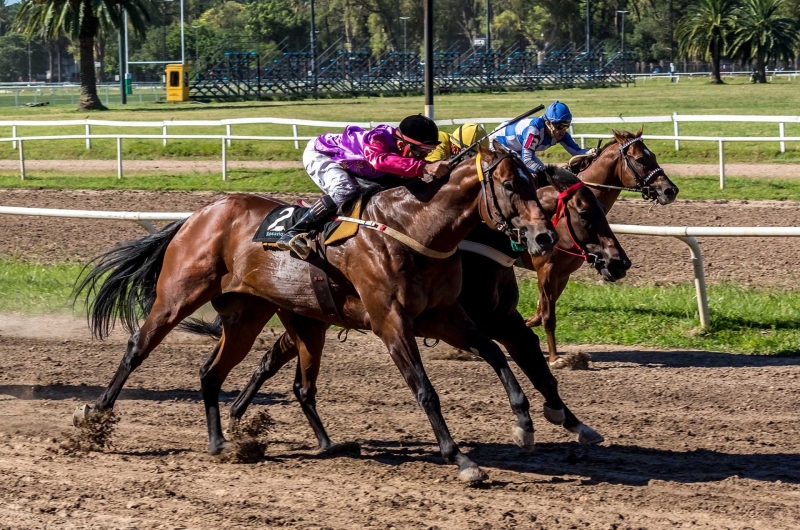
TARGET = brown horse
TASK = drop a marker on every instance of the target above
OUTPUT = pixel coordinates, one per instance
(489, 295)
(377, 283)
(625, 163)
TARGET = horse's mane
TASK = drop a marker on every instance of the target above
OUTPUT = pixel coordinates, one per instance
(559, 178)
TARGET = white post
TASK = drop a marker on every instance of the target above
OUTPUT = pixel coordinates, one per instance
(782, 133)
(721, 165)
(16, 98)
(677, 130)
(164, 132)
(21, 161)
(88, 129)
(106, 94)
(148, 225)
(228, 128)
(571, 130)
(294, 132)
(699, 280)
(119, 157)
(583, 142)
(224, 159)
(13, 135)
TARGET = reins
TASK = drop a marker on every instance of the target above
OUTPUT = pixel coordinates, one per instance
(642, 181)
(563, 212)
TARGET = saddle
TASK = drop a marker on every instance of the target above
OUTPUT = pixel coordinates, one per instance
(282, 218)
(579, 163)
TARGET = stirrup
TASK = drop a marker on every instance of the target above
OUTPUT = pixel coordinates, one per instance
(299, 244)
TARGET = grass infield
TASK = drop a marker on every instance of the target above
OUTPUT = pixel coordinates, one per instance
(588, 313)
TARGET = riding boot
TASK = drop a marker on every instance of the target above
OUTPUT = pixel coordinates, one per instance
(294, 238)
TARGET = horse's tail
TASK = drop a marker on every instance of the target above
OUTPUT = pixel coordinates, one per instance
(122, 283)
(198, 326)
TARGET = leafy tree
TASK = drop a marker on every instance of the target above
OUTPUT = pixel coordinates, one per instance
(706, 30)
(762, 33)
(14, 57)
(82, 20)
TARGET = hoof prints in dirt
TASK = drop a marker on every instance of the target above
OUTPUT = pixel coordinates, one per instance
(94, 433)
(249, 438)
(573, 361)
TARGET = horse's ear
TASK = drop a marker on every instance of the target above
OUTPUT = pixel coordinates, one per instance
(641, 130)
(619, 136)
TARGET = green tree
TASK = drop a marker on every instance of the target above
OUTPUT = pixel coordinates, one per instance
(82, 20)
(705, 32)
(762, 33)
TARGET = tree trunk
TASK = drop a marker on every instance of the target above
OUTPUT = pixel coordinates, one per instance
(50, 59)
(715, 60)
(760, 73)
(89, 27)
(59, 45)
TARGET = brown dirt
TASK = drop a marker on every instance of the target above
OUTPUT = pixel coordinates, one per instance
(777, 171)
(756, 261)
(693, 439)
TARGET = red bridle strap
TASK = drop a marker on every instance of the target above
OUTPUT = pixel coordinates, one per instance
(561, 210)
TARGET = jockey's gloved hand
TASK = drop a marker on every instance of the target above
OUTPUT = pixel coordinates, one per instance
(437, 169)
(593, 151)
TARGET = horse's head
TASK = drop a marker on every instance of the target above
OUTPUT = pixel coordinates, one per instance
(509, 203)
(581, 222)
(638, 168)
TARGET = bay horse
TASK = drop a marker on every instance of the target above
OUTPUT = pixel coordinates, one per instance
(624, 163)
(376, 282)
(489, 295)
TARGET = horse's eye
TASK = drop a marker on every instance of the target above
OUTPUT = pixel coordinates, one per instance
(508, 185)
(586, 217)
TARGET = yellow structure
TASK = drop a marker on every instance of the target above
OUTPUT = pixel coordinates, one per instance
(177, 82)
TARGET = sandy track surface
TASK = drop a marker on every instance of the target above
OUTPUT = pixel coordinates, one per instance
(756, 261)
(693, 439)
(778, 171)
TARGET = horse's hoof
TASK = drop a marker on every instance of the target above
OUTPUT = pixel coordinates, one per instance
(533, 322)
(558, 364)
(347, 448)
(554, 416)
(587, 435)
(81, 414)
(523, 438)
(224, 448)
(472, 475)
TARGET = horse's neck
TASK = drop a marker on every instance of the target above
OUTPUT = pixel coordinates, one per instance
(605, 171)
(439, 217)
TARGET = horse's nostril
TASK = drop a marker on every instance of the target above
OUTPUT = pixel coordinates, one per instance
(626, 263)
(669, 192)
(544, 240)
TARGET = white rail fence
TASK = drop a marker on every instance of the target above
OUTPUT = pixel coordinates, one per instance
(687, 234)
(227, 138)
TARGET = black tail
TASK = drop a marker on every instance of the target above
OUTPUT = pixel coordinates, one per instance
(122, 283)
(198, 326)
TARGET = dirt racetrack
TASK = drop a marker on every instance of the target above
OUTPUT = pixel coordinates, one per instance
(693, 440)
(763, 262)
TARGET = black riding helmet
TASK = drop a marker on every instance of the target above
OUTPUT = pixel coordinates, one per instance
(420, 130)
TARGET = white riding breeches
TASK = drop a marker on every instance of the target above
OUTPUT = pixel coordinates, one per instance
(329, 175)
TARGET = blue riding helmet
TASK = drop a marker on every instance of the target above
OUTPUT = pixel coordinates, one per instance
(557, 112)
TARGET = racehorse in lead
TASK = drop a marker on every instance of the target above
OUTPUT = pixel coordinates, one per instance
(623, 164)
(376, 282)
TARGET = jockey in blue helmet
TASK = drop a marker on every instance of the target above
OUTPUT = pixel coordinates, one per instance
(526, 137)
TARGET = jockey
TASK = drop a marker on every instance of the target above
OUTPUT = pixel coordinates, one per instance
(527, 137)
(332, 160)
(452, 144)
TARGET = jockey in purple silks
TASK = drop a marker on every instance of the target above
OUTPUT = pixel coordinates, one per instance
(332, 160)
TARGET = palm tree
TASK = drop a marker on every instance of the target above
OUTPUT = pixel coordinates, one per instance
(705, 30)
(82, 20)
(762, 34)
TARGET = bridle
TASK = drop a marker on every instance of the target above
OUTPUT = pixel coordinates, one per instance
(496, 221)
(595, 260)
(643, 182)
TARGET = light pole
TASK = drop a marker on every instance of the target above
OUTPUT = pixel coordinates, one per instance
(196, 48)
(622, 36)
(405, 47)
(588, 29)
(313, 39)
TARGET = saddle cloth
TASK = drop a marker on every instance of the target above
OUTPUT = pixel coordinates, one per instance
(282, 218)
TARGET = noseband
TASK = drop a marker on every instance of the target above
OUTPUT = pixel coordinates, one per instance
(496, 221)
(642, 181)
(595, 260)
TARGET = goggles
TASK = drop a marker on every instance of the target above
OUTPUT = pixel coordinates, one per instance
(561, 126)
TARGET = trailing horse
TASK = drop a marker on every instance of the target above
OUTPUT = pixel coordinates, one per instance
(376, 283)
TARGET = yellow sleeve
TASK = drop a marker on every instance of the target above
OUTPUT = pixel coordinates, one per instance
(442, 151)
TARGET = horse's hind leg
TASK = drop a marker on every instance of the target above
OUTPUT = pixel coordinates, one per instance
(523, 346)
(452, 325)
(243, 318)
(169, 309)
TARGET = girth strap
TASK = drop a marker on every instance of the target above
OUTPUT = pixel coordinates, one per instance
(399, 236)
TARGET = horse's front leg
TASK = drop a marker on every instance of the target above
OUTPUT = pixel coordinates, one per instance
(392, 323)
(452, 325)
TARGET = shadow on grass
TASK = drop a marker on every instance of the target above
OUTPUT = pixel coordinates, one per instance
(695, 359)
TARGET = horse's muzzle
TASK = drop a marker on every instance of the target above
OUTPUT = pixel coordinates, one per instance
(616, 269)
(541, 242)
(667, 195)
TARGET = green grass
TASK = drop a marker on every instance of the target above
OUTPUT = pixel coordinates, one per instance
(296, 181)
(744, 320)
(650, 98)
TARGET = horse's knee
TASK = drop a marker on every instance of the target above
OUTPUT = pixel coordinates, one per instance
(428, 399)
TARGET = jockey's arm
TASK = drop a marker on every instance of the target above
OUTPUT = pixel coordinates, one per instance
(531, 160)
(571, 147)
(381, 157)
(442, 151)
